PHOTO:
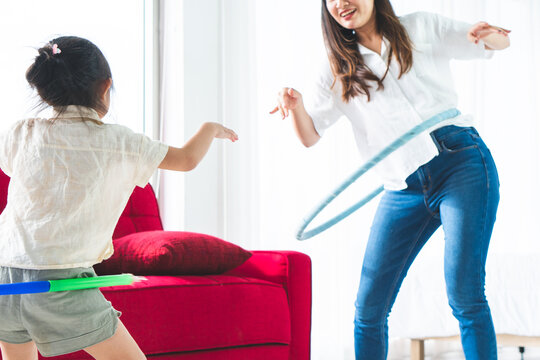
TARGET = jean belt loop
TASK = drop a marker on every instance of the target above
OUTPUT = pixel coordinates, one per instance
(436, 141)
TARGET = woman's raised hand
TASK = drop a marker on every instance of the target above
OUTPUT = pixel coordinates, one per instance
(288, 99)
(498, 37)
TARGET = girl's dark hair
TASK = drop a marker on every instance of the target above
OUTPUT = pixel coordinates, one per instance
(70, 76)
(347, 63)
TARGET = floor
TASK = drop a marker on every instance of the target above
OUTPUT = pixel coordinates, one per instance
(506, 353)
(451, 350)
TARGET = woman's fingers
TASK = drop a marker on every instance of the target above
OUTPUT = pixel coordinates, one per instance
(487, 32)
(476, 29)
(287, 100)
(501, 30)
(292, 93)
(284, 112)
(482, 29)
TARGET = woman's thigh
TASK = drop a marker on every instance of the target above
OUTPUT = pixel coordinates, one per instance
(401, 227)
(468, 202)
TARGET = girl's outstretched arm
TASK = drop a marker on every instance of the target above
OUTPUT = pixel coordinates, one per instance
(494, 37)
(291, 100)
(190, 155)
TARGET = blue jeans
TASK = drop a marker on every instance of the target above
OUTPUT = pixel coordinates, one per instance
(460, 190)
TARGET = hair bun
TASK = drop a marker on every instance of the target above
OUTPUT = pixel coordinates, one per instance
(40, 73)
(44, 53)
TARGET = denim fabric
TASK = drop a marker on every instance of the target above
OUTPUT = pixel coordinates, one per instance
(460, 190)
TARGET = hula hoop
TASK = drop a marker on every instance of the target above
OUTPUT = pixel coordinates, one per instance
(303, 234)
(33, 287)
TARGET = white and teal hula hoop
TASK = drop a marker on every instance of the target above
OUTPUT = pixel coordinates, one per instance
(303, 234)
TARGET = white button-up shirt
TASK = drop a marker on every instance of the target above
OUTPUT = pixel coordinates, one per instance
(70, 181)
(426, 90)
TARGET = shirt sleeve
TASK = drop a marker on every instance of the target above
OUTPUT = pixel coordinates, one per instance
(321, 103)
(151, 154)
(454, 42)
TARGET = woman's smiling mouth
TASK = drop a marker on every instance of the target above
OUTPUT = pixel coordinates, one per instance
(346, 14)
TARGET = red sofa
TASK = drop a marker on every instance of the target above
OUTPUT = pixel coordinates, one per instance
(260, 310)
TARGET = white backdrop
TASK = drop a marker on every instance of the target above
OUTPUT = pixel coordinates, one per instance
(259, 188)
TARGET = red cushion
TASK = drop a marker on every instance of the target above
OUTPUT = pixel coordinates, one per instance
(169, 314)
(172, 253)
(140, 214)
(4, 182)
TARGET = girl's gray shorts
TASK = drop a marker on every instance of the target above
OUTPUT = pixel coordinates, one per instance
(58, 322)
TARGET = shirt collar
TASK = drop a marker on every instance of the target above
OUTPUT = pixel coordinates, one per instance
(76, 112)
(385, 46)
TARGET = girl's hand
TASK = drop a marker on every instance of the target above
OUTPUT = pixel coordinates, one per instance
(190, 155)
(288, 99)
(221, 132)
(482, 29)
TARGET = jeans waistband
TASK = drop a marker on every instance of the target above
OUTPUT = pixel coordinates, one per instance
(438, 135)
(441, 133)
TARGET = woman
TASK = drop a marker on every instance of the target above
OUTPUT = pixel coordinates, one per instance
(387, 74)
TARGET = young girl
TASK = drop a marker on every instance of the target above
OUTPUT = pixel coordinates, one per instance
(71, 177)
(387, 74)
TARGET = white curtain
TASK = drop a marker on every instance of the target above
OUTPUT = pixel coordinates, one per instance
(268, 181)
(171, 184)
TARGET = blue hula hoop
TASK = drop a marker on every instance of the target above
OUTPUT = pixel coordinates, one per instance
(303, 234)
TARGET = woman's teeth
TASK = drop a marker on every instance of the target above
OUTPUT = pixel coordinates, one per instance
(348, 12)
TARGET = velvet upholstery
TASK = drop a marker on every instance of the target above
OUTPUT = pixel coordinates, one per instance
(140, 214)
(4, 183)
(161, 252)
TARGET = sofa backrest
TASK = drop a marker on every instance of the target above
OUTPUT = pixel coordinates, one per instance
(140, 214)
(4, 183)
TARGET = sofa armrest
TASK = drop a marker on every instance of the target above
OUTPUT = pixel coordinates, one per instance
(293, 270)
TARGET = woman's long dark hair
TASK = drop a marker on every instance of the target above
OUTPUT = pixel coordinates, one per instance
(347, 63)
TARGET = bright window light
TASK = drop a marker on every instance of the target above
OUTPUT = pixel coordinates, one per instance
(116, 27)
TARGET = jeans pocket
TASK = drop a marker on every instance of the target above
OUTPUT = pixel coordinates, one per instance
(459, 141)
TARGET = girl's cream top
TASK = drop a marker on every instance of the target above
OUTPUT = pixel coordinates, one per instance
(70, 181)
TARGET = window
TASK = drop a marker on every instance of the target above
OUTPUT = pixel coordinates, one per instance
(116, 27)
